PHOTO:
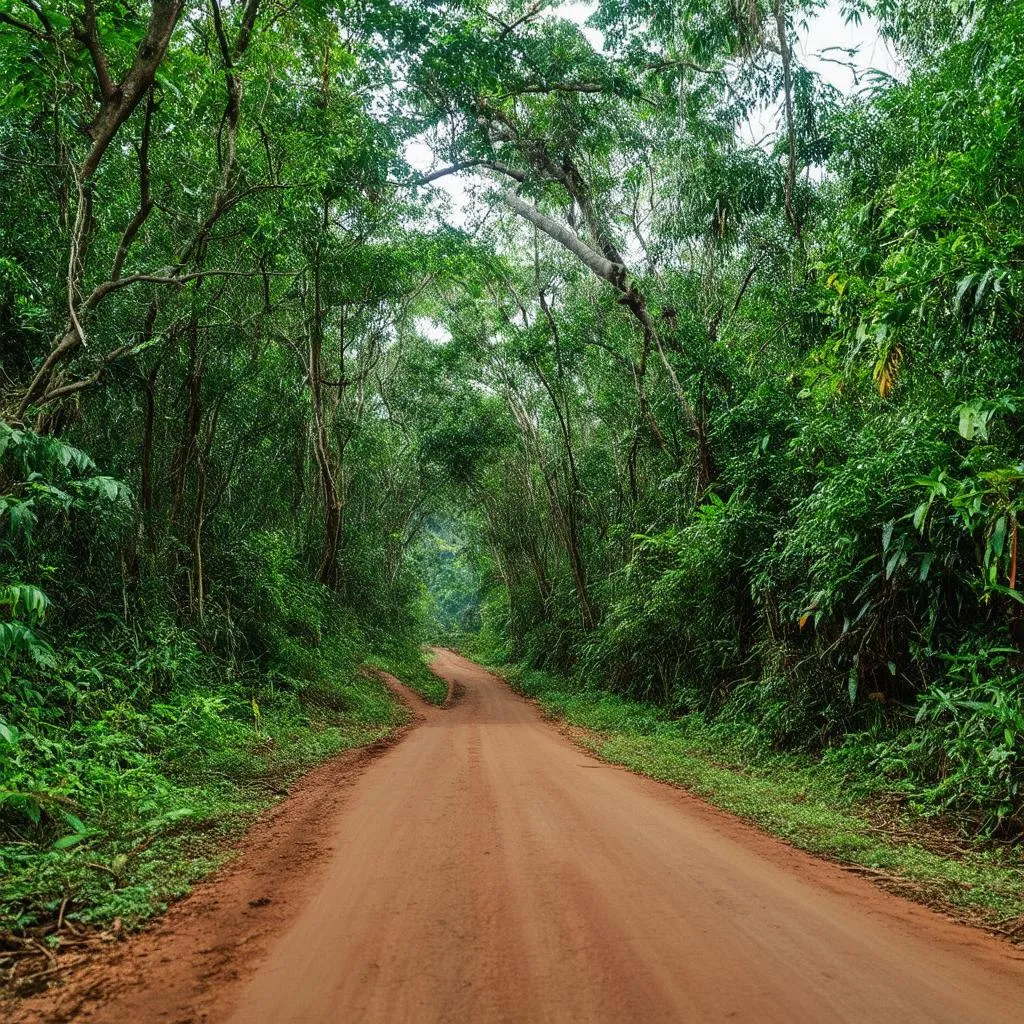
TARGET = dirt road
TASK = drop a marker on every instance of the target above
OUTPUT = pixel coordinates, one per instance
(484, 870)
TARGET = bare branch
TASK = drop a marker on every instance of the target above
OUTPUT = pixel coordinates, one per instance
(614, 273)
(145, 196)
(466, 165)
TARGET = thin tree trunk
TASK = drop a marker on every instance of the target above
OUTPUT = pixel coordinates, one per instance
(146, 455)
(787, 85)
(327, 569)
(199, 514)
(190, 426)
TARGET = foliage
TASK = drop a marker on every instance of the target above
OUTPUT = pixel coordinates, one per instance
(730, 426)
(763, 460)
(208, 284)
(123, 787)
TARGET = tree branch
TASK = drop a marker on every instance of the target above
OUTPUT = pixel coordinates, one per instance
(578, 87)
(120, 100)
(466, 165)
(38, 11)
(145, 196)
(245, 30)
(101, 291)
(614, 273)
(89, 37)
(24, 26)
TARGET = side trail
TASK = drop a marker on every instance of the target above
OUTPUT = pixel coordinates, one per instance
(483, 869)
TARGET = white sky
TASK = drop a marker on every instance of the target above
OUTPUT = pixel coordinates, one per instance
(816, 44)
(827, 30)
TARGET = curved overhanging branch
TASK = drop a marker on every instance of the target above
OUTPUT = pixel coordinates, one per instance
(465, 165)
(613, 273)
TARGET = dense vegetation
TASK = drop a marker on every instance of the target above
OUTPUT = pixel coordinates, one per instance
(207, 284)
(733, 428)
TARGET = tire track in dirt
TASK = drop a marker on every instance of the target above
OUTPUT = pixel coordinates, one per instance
(473, 872)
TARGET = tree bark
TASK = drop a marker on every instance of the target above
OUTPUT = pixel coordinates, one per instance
(614, 273)
(787, 85)
(118, 101)
(146, 454)
(327, 568)
(186, 449)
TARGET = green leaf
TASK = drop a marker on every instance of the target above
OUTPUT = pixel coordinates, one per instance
(998, 539)
(969, 425)
(961, 289)
(68, 841)
(75, 822)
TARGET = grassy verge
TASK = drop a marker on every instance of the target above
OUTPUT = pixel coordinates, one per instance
(412, 666)
(814, 804)
(162, 794)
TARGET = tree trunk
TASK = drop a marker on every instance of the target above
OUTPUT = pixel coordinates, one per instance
(146, 455)
(327, 569)
(185, 451)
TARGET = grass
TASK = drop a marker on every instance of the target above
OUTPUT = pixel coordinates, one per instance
(411, 666)
(171, 802)
(814, 804)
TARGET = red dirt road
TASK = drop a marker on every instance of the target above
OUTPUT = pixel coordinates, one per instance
(484, 870)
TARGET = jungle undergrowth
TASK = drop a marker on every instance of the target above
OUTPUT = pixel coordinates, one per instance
(145, 800)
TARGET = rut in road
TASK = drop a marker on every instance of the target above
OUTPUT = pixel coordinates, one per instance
(485, 870)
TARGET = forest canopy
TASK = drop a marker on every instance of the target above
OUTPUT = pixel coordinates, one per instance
(724, 423)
